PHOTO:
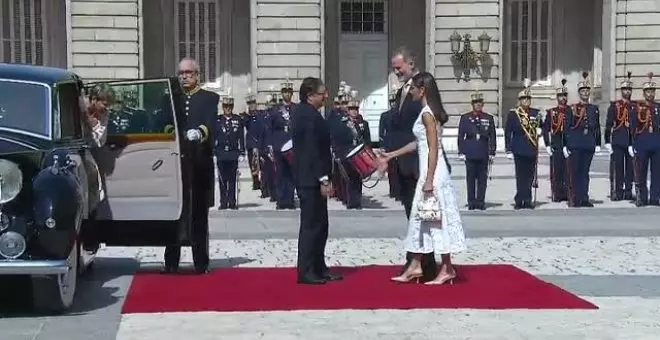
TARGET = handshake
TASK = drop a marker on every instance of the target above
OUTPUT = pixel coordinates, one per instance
(382, 158)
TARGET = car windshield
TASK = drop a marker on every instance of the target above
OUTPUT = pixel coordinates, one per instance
(24, 107)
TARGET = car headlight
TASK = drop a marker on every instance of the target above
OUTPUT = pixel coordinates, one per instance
(12, 245)
(11, 180)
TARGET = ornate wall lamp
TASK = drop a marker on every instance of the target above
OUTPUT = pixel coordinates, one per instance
(468, 59)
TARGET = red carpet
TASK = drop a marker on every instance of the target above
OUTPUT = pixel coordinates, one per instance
(272, 289)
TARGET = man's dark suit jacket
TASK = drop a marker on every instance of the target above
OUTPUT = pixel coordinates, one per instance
(400, 133)
(312, 159)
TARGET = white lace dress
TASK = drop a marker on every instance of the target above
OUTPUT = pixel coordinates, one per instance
(427, 237)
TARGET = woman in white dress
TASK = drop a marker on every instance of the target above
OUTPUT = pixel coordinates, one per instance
(445, 237)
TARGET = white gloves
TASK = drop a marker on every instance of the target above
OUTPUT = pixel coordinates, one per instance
(609, 148)
(631, 151)
(193, 135)
(548, 150)
(565, 152)
(597, 149)
(509, 155)
(461, 157)
(240, 158)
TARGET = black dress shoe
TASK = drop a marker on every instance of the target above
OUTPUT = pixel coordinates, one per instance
(587, 204)
(202, 270)
(222, 207)
(332, 276)
(311, 280)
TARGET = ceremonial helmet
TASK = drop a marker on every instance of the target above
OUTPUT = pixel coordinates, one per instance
(347, 94)
(584, 84)
(287, 85)
(627, 83)
(228, 99)
(476, 96)
(269, 100)
(273, 94)
(353, 102)
(250, 98)
(526, 92)
(650, 84)
(562, 90)
(393, 95)
(336, 100)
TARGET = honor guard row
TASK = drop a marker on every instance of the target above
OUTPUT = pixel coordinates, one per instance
(349, 132)
(632, 137)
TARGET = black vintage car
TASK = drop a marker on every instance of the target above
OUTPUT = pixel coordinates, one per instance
(61, 197)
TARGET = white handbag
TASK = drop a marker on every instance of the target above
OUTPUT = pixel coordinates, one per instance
(429, 210)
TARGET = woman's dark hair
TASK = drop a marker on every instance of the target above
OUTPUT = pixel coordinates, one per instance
(308, 87)
(427, 81)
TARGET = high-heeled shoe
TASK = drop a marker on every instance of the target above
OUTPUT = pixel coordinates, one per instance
(446, 279)
(408, 278)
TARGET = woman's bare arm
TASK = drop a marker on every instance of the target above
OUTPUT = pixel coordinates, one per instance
(432, 138)
(408, 148)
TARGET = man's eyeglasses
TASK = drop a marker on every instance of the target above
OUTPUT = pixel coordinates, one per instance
(187, 73)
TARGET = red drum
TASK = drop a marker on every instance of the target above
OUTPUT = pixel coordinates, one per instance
(287, 151)
(363, 160)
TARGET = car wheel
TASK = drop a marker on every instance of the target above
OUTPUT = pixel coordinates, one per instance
(53, 294)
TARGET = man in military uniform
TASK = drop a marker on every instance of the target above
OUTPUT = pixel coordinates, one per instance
(477, 144)
(251, 123)
(198, 129)
(229, 149)
(281, 134)
(617, 141)
(582, 140)
(334, 122)
(521, 142)
(355, 132)
(383, 127)
(266, 156)
(645, 126)
(553, 131)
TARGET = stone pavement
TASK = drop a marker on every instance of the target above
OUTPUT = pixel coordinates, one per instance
(499, 195)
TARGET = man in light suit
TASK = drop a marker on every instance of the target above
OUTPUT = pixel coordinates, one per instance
(403, 116)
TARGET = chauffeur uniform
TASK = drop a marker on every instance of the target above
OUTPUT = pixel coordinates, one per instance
(200, 109)
(553, 131)
(477, 144)
(583, 138)
(617, 139)
(645, 125)
(521, 139)
(229, 146)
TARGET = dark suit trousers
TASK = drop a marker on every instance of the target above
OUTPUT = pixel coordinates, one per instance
(313, 234)
(199, 234)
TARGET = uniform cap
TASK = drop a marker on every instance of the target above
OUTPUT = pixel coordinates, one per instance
(650, 84)
(562, 89)
(584, 84)
(526, 92)
(627, 83)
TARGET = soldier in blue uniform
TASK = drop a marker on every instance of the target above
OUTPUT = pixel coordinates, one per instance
(521, 142)
(266, 156)
(229, 150)
(355, 132)
(334, 123)
(645, 126)
(251, 123)
(383, 128)
(477, 144)
(198, 129)
(554, 139)
(582, 140)
(617, 141)
(281, 134)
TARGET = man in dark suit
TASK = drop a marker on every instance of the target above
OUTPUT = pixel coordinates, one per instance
(200, 109)
(402, 119)
(312, 167)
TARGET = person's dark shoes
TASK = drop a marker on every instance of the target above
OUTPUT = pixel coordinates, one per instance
(329, 276)
(310, 279)
(170, 270)
(202, 270)
(233, 207)
(222, 207)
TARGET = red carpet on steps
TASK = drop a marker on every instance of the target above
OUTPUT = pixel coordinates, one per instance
(275, 289)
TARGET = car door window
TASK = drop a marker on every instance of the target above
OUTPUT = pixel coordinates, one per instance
(143, 108)
(67, 122)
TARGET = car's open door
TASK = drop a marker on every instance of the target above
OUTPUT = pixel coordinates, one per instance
(140, 160)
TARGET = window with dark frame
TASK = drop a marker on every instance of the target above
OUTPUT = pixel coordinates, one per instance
(529, 33)
(70, 115)
(362, 16)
